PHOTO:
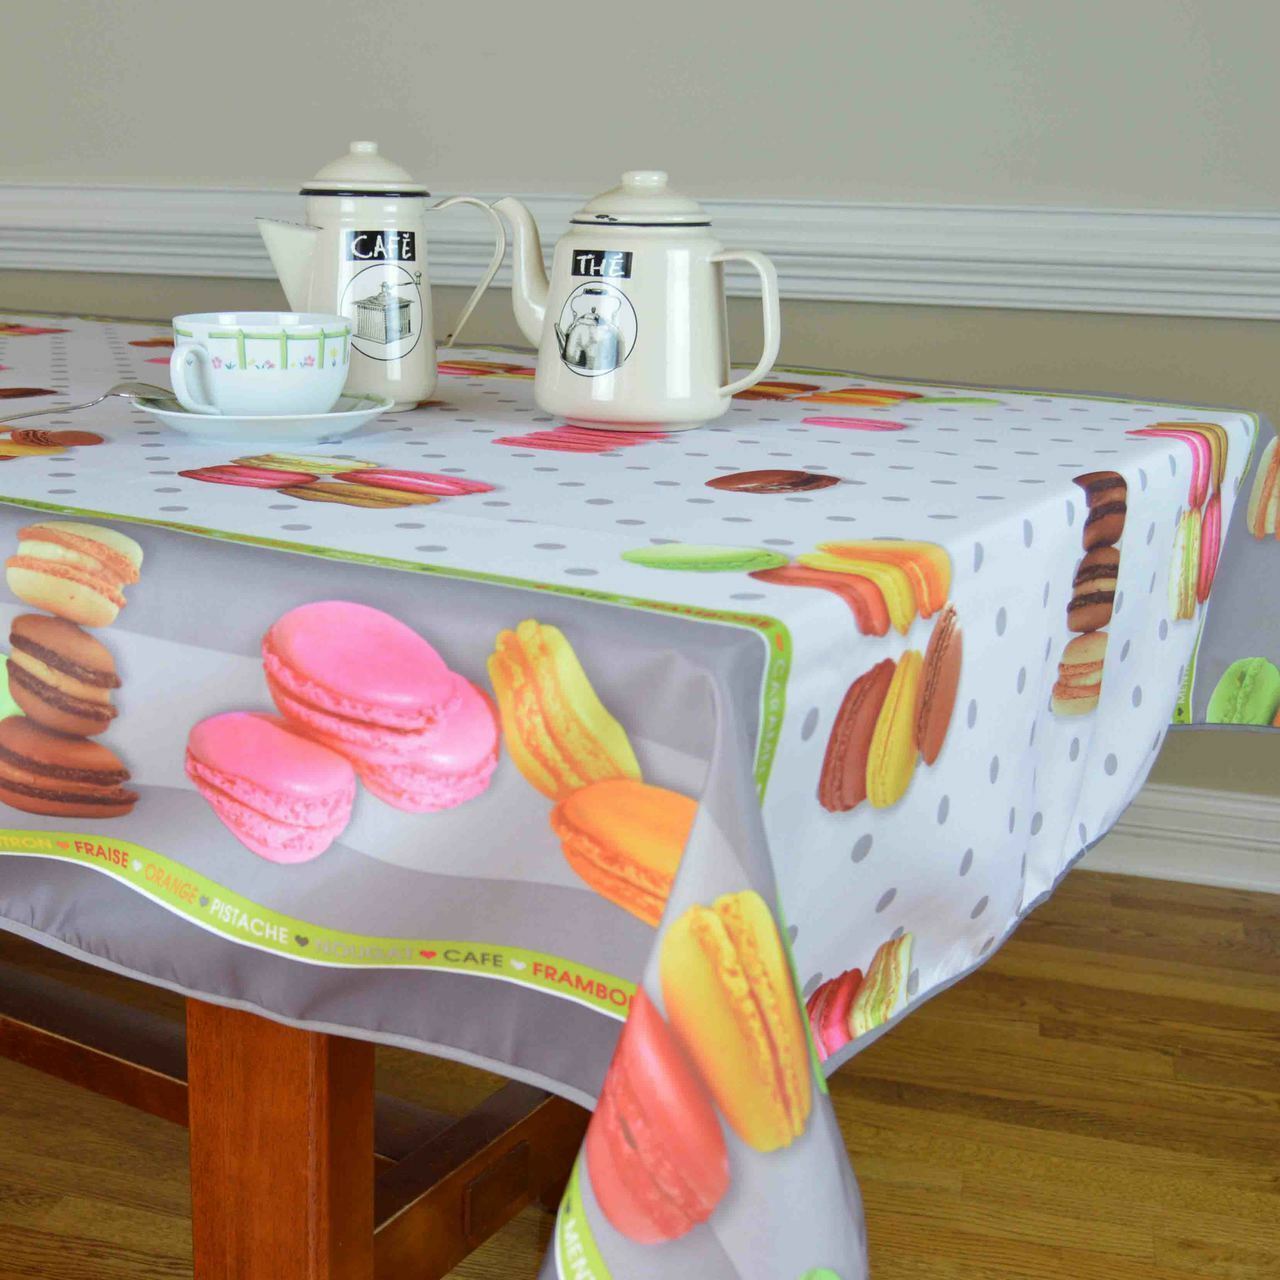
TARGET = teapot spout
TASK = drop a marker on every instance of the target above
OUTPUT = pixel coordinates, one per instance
(529, 277)
(292, 247)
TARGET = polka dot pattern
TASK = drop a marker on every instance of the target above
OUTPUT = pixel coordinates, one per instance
(988, 476)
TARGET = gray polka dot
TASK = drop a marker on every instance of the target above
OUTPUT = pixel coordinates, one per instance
(1136, 697)
(410, 525)
(1037, 822)
(297, 528)
(885, 899)
(583, 573)
(971, 717)
(809, 725)
(548, 546)
(1002, 620)
(1071, 512)
(1124, 649)
(1013, 820)
(431, 546)
(811, 986)
(1151, 586)
(747, 595)
(1022, 679)
(1142, 479)
(994, 771)
(978, 907)
(778, 542)
(913, 985)
(966, 862)
(944, 808)
(896, 934)
(861, 848)
(986, 946)
(1151, 533)
(1110, 765)
(1083, 833)
(1045, 599)
(1119, 604)
(1163, 629)
(1028, 533)
(792, 931)
(1073, 752)
(977, 556)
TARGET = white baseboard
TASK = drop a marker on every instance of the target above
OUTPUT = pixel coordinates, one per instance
(1199, 836)
(1165, 263)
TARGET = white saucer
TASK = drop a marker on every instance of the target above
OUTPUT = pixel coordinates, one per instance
(349, 414)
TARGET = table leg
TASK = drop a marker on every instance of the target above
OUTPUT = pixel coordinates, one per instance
(282, 1163)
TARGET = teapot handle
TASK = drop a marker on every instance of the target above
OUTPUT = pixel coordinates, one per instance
(499, 252)
(772, 314)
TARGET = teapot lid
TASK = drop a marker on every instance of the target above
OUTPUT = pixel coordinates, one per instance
(643, 199)
(363, 172)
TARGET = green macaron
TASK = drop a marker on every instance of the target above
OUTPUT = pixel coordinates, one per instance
(692, 558)
(1248, 693)
(820, 1273)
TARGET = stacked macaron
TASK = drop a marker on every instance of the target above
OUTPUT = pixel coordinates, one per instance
(621, 835)
(569, 439)
(732, 1048)
(776, 389)
(891, 717)
(1264, 497)
(845, 1007)
(60, 677)
(1198, 539)
(483, 369)
(359, 694)
(346, 481)
(1093, 594)
(864, 397)
(883, 582)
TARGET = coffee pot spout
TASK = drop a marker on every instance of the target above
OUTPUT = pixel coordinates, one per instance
(292, 246)
(529, 285)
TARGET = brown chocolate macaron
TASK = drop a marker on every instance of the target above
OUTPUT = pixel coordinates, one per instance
(773, 482)
(1093, 592)
(1106, 492)
(938, 684)
(842, 785)
(61, 777)
(357, 495)
(60, 675)
(37, 435)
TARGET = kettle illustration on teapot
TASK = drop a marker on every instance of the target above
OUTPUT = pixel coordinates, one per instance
(362, 253)
(631, 326)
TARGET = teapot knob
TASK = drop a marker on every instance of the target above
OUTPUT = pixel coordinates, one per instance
(644, 180)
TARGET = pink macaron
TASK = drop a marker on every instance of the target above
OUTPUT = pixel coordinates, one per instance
(453, 763)
(1201, 458)
(249, 477)
(364, 684)
(855, 424)
(280, 794)
(1210, 546)
(828, 1008)
(416, 482)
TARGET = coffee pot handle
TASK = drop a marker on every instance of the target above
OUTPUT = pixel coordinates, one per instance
(499, 252)
(772, 314)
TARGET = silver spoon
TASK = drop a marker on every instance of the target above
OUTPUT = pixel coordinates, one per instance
(127, 389)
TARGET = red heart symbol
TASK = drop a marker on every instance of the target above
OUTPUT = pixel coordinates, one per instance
(430, 955)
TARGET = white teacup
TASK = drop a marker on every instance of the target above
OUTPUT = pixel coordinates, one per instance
(249, 363)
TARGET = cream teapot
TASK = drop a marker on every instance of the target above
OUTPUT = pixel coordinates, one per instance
(631, 327)
(362, 253)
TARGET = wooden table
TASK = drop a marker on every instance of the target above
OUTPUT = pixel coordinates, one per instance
(298, 1171)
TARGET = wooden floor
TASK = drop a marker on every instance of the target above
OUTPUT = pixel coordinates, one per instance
(1101, 1102)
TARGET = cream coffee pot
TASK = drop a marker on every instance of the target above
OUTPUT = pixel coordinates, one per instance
(363, 254)
(631, 328)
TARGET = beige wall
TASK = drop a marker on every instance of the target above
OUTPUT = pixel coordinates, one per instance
(1213, 361)
(1145, 103)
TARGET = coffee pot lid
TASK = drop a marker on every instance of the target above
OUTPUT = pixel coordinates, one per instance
(642, 199)
(363, 172)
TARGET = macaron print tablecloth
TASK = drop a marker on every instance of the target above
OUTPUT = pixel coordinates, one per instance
(492, 737)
